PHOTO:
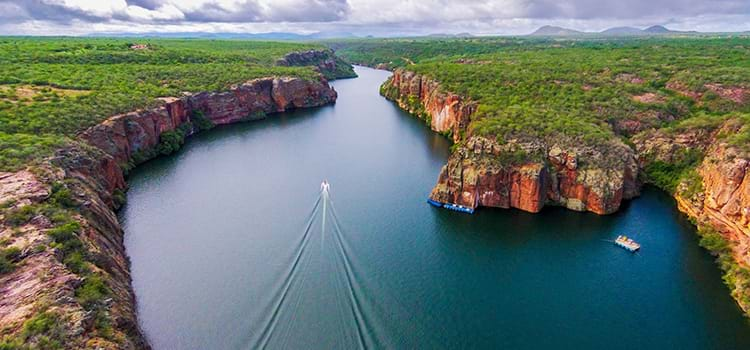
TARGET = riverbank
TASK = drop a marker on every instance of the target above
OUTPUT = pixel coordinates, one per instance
(69, 282)
(528, 173)
(218, 241)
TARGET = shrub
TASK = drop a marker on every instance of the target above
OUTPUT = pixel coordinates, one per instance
(713, 241)
(39, 324)
(119, 198)
(61, 195)
(201, 122)
(5, 265)
(171, 141)
(65, 237)
(12, 253)
(20, 216)
(45, 330)
(91, 292)
(76, 263)
(11, 344)
(668, 175)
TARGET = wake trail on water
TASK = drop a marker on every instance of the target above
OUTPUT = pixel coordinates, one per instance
(289, 278)
(349, 294)
(401, 309)
(355, 302)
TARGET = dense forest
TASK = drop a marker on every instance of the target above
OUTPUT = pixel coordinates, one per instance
(52, 88)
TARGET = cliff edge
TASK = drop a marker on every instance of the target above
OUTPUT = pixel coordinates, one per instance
(524, 173)
(64, 274)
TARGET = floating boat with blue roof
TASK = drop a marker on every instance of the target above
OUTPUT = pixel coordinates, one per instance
(459, 208)
(434, 203)
(451, 206)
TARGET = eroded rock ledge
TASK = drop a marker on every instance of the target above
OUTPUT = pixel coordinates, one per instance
(482, 172)
(444, 112)
(716, 198)
(38, 298)
(485, 173)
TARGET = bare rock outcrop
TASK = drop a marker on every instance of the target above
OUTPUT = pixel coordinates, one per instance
(718, 196)
(483, 172)
(445, 112)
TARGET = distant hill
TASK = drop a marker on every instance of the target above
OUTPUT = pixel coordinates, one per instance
(622, 31)
(616, 31)
(555, 31)
(249, 36)
(657, 30)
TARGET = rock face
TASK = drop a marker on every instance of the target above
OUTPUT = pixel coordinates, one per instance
(122, 136)
(721, 198)
(325, 60)
(445, 112)
(725, 202)
(482, 172)
(93, 170)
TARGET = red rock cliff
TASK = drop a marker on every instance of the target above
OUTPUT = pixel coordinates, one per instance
(123, 135)
(445, 112)
(483, 173)
(42, 282)
(719, 198)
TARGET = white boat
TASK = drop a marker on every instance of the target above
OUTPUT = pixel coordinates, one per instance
(627, 243)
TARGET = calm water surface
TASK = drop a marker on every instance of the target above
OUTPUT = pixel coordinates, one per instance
(213, 233)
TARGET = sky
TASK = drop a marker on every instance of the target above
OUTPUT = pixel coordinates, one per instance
(364, 17)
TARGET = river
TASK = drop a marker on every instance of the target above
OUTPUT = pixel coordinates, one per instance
(213, 233)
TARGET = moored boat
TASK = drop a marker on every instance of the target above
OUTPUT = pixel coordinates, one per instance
(459, 208)
(434, 203)
(627, 243)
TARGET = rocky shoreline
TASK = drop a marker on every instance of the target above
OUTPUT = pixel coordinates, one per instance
(483, 172)
(45, 298)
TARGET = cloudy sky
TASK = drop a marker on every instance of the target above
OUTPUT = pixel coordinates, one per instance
(362, 17)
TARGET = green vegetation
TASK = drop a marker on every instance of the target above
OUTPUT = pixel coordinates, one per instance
(736, 276)
(593, 91)
(52, 88)
(587, 90)
(17, 150)
(61, 207)
(668, 175)
(43, 331)
(92, 292)
(6, 260)
(201, 122)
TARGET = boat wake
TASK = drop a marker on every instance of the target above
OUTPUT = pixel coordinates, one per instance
(348, 299)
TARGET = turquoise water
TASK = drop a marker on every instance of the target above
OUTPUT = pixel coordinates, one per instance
(213, 234)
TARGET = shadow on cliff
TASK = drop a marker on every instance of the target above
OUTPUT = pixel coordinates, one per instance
(500, 227)
(164, 166)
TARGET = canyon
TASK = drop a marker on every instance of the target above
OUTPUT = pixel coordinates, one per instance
(523, 173)
(485, 172)
(482, 172)
(42, 287)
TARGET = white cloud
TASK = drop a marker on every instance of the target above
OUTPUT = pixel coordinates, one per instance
(95, 7)
(380, 17)
(167, 12)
